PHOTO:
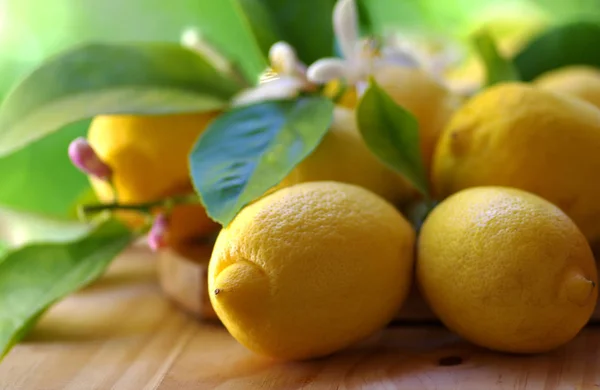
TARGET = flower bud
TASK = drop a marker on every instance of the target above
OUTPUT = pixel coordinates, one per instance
(283, 59)
(85, 158)
(157, 237)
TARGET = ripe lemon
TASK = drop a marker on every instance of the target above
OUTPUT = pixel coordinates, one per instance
(343, 156)
(311, 269)
(418, 92)
(582, 82)
(149, 159)
(519, 136)
(426, 98)
(506, 270)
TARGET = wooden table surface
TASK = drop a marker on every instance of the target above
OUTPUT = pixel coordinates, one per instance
(122, 334)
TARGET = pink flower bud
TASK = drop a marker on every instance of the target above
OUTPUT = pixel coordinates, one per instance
(157, 237)
(85, 158)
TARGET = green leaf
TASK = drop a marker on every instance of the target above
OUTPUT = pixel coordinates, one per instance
(392, 134)
(34, 277)
(570, 44)
(250, 149)
(18, 228)
(498, 68)
(384, 16)
(242, 29)
(3, 248)
(141, 78)
(307, 25)
(29, 175)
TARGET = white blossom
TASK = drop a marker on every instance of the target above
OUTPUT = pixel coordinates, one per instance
(285, 79)
(360, 57)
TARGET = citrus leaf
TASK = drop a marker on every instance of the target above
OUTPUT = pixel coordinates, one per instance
(140, 78)
(570, 44)
(18, 228)
(26, 184)
(384, 16)
(498, 68)
(34, 277)
(242, 29)
(392, 134)
(293, 19)
(250, 149)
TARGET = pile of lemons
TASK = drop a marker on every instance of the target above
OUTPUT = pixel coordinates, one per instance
(326, 260)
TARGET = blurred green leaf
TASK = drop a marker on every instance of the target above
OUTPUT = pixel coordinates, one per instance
(392, 134)
(34, 277)
(242, 29)
(40, 178)
(250, 149)
(497, 68)
(384, 16)
(570, 44)
(568, 11)
(18, 228)
(143, 78)
(307, 25)
(86, 196)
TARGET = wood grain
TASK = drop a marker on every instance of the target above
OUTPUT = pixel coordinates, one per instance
(122, 334)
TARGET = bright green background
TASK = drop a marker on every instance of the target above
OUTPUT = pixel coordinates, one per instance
(41, 179)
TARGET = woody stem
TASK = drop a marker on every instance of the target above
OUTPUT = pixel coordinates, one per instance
(145, 208)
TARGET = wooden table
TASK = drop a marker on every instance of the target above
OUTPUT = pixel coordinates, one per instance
(122, 334)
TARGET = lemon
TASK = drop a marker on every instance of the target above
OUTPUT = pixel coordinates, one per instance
(432, 103)
(149, 159)
(417, 91)
(343, 156)
(311, 269)
(517, 135)
(579, 81)
(506, 270)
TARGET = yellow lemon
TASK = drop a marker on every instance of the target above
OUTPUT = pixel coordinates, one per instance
(426, 98)
(311, 269)
(149, 159)
(343, 156)
(506, 270)
(421, 94)
(519, 136)
(582, 82)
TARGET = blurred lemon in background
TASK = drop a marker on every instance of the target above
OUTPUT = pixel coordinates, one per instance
(343, 156)
(517, 135)
(579, 81)
(149, 159)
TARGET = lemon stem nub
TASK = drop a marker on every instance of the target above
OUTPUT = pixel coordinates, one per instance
(579, 288)
(217, 291)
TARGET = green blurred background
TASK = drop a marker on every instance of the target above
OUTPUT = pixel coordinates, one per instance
(41, 179)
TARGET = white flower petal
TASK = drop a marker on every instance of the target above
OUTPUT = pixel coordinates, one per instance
(361, 87)
(345, 24)
(326, 69)
(283, 58)
(278, 89)
(398, 57)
